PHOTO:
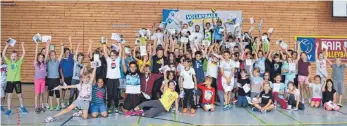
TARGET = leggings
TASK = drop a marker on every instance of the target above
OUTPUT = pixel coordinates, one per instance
(112, 92)
(52, 83)
(292, 102)
(155, 108)
(280, 100)
(188, 97)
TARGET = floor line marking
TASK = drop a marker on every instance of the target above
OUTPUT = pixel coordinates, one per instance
(289, 116)
(255, 116)
(342, 112)
(66, 121)
(138, 120)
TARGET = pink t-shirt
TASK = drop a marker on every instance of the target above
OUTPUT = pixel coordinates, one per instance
(40, 71)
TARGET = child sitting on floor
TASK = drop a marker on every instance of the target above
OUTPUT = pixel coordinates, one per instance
(329, 96)
(208, 94)
(294, 97)
(263, 103)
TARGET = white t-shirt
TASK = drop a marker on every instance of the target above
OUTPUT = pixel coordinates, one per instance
(113, 68)
(187, 76)
(321, 68)
(85, 91)
(316, 90)
(212, 69)
(227, 66)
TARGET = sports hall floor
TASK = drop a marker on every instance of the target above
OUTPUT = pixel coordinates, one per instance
(237, 116)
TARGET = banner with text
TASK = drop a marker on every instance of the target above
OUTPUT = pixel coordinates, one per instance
(333, 44)
(172, 18)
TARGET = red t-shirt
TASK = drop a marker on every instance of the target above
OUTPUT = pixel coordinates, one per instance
(208, 94)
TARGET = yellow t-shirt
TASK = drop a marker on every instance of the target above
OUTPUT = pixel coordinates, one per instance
(140, 63)
(168, 98)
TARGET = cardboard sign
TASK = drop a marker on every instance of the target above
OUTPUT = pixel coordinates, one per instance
(37, 38)
(46, 38)
(11, 41)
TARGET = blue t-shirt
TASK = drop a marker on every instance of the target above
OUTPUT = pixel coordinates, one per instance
(127, 61)
(216, 34)
(98, 95)
(198, 68)
(66, 64)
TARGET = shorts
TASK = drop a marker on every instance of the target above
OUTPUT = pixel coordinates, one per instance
(2, 89)
(227, 87)
(316, 100)
(303, 79)
(121, 83)
(17, 85)
(82, 104)
(98, 108)
(74, 82)
(132, 100)
(40, 85)
(339, 86)
(67, 80)
(197, 92)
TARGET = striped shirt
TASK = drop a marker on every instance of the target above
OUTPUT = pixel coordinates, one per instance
(98, 95)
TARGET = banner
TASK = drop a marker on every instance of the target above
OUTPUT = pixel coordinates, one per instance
(333, 44)
(172, 18)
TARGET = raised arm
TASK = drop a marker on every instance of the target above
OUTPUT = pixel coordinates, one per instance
(92, 76)
(142, 68)
(316, 51)
(23, 48)
(90, 54)
(76, 53)
(61, 51)
(70, 42)
(36, 46)
(299, 52)
(154, 47)
(105, 51)
(134, 54)
(269, 56)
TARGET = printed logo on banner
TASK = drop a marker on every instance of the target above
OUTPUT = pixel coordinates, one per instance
(333, 44)
(307, 45)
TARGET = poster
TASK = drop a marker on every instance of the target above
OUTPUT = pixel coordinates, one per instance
(334, 45)
(172, 18)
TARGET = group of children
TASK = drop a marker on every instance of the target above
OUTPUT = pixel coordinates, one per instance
(231, 70)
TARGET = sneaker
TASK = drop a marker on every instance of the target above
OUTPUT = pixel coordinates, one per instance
(249, 100)
(42, 109)
(116, 110)
(294, 108)
(58, 108)
(340, 105)
(49, 119)
(192, 111)
(62, 105)
(289, 107)
(225, 107)
(138, 112)
(254, 109)
(2, 109)
(37, 110)
(23, 109)
(8, 112)
(109, 111)
(185, 110)
(130, 113)
(77, 114)
(198, 106)
(263, 111)
(46, 105)
(51, 108)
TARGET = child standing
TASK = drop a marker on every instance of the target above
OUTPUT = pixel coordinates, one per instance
(321, 64)
(294, 97)
(278, 89)
(3, 69)
(329, 96)
(338, 77)
(40, 79)
(242, 94)
(188, 83)
(227, 71)
(316, 91)
(14, 68)
(84, 97)
(265, 97)
(78, 65)
(98, 105)
(208, 94)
